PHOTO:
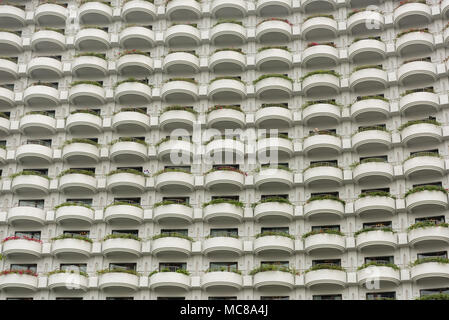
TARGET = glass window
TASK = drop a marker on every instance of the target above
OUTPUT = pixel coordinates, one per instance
(327, 297)
(274, 229)
(377, 225)
(325, 228)
(132, 232)
(32, 203)
(333, 262)
(383, 260)
(274, 298)
(380, 295)
(81, 233)
(122, 266)
(439, 254)
(275, 263)
(436, 219)
(24, 267)
(29, 234)
(426, 292)
(222, 298)
(119, 298)
(228, 266)
(224, 232)
(172, 266)
(78, 267)
(171, 298)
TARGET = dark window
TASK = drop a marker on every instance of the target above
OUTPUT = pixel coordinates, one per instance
(32, 203)
(382, 260)
(327, 297)
(380, 295)
(69, 298)
(19, 298)
(180, 200)
(184, 232)
(325, 228)
(85, 169)
(426, 292)
(317, 194)
(81, 201)
(122, 266)
(377, 225)
(42, 142)
(332, 262)
(425, 151)
(222, 298)
(375, 190)
(378, 158)
(439, 184)
(132, 232)
(436, 219)
(171, 298)
(41, 171)
(80, 267)
(439, 254)
(275, 263)
(81, 233)
(172, 266)
(224, 232)
(229, 266)
(184, 168)
(274, 298)
(119, 298)
(30, 234)
(268, 196)
(219, 166)
(24, 267)
(236, 198)
(333, 163)
(323, 131)
(128, 200)
(274, 229)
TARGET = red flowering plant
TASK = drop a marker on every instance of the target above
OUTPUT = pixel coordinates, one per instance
(21, 272)
(312, 44)
(21, 237)
(277, 19)
(226, 168)
(401, 3)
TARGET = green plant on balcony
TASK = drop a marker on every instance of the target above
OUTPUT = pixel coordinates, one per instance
(423, 154)
(133, 51)
(276, 105)
(325, 266)
(273, 47)
(322, 164)
(384, 229)
(123, 203)
(227, 78)
(272, 199)
(81, 273)
(378, 264)
(130, 80)
(72, 204)
(179, 108)
(274, 233)
(29, 173)
(182, 271)
(323, 231)
(413, 122)
(329, 16)
(426, 188)
(221, 107)
(367, 160)
(222, 200)
(122, 236)
(129, 139)
(270, 166)
(273, 75)
(130, 110)
(430, 259)
(436, 296)
(87, 111)
(131, 171)
(128, 271)
(402, 33)
(91, 54)
(240, 23)
(224, 269)
(170, 170)
(172, 235)
(311, 103)
(376, 194)
(169, 202)
(325, 197)
(223, 234)
(88, 82)
(190, 80)
(428, 224)
(81, 140)
(76, 171)
(72, 236)
(272, 267)
(371, 66)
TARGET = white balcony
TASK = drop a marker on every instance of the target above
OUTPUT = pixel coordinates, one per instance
(137, 37)
(368, 79)
(33, 154)
(80, 152)
(133, 92)
(22, 248)
(74, 213)
(71, 247)
(181, 62)
(225, 118)
(225, 60)
(444, 5)
(370, 109)
(125, 182)
(87, 94)
(421, 166)
(274, 145)
(39, 124)
(371, 139)
(228, 34)
(8, 70)
(273, 245)
(11, 17)
(417, 73)
(30, 184)
(384, 275)
(273, 210)
(44, 68)
(320, 55)
(48, 41)
(376, 239)
(273, 31)
(120, 247)
(321, 85)
(134, 64)
(118, 280)
(324, 207)
(182, 36)
(273, 7)
(26, 215)
(183, 10)
(274, 88)
(226, 146)
(220, 212)
(415, 42)
(67, 280)
(89, 66)
(319, 28)
(428, 236)
(123, 213)
(370, 171)
(4, 127)
(374, 204)
(325, 277)
(274, 59)
(82, 122)
(174, 119)
(366, 50)
(221, 279)
(10, 43)
(139, 11)
(270, 279)
(421, 133)
(96, 13)
(273, 178)
(228, 8)
(222, 245)
(6, 97)
(175, 149)
(364, 22)
(412, 14)
(170, 245)
(179, 90)
(419, 102)
(51, 15)
(322, 143)
(430, 271)
(224, 179)
(273, 117)
(16, 281)
(172, 181)
(324, 242)
(130, 120)
(173, 213)
(321, 113)
(323, 175)
(426, 198)
(40, 95)
(92, 39)
(318, 5)
(227, 89)
(169, 280)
